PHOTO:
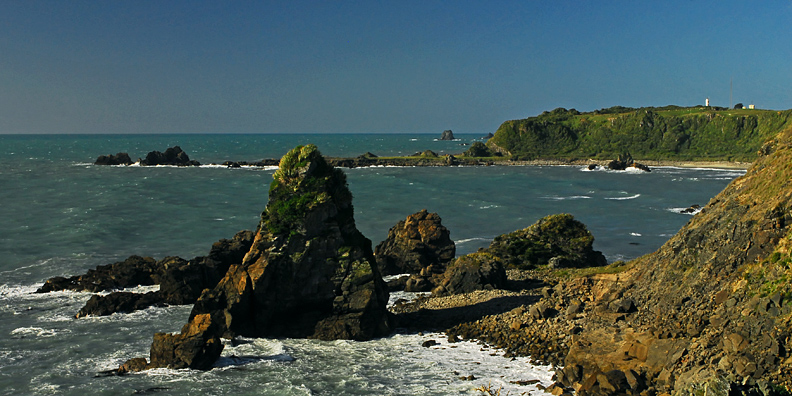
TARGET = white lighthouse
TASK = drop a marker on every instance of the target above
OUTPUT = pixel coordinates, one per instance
(706, 102)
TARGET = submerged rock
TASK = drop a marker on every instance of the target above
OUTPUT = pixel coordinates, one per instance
(310, 273)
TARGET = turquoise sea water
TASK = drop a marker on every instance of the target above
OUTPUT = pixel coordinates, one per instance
(61, 215)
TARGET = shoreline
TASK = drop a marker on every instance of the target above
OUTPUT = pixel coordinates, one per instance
(362, 162)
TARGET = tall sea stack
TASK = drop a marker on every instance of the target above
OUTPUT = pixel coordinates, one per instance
(310, 273)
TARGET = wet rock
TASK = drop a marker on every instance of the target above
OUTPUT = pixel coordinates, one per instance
(172, 156)
(447, 135)
(134, 271)
(118, 159)
(309, 273)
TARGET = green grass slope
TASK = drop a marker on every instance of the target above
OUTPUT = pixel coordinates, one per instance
(649, 133)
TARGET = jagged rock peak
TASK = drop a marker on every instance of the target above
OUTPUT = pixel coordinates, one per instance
(304, 183)
(415, 243)
(309, 273)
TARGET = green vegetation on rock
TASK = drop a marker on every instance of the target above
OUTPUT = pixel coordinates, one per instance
(558, 240)
(649, 133)
(478, 149)
(302, 182)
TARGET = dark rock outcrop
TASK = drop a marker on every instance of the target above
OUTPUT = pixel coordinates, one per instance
(309, 273)
(419, 245)
(134, 271)
(415, 243)
(622, 163)
(447, 135)
(118, 159)
(558, 241)
(475, 271)
(181, 281)
(172, 156)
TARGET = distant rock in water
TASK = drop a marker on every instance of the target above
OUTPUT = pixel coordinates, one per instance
(118, 159)
(447, 135)
(488, 136)
(172, 156)
(692, 209)
(310, 273)
(622, 163)
(419, 245)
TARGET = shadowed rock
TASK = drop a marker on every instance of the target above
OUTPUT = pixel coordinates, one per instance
(118, 159)
(172, 156)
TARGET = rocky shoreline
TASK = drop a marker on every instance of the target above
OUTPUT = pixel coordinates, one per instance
(175, 156)
(709, 313)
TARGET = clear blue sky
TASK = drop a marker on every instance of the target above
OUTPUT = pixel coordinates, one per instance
(376, 66)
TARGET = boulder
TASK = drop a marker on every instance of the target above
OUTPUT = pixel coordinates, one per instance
(475, 271)
(557, 241)
(118, 159)
(416, 243)
(447, 135)
(172, 156)
(309, 273)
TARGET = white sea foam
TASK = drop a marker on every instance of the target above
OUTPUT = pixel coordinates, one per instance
(682, 211)
(635, 234)
(557, 198)
(624, 198)
(466, 240)
(27, 332)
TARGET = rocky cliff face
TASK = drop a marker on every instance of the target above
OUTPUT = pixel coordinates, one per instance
(309, 273)
(709, 313)
(415, 243)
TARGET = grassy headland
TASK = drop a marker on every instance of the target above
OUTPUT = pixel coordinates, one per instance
(670, 133)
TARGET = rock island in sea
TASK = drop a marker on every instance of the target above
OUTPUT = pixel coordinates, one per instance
(309, 273)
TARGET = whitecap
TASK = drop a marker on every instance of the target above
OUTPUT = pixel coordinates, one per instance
(635, 234)
(624, 198)
(25, 332)
(684, 211)
(557, 198)
(489, 206)
(472, 240)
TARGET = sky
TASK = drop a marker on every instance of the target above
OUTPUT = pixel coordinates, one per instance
(169, 66)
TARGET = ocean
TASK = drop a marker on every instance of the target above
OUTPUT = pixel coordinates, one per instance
(62, 215)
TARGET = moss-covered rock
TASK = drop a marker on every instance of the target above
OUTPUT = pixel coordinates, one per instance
(556, 240)
(478, 149)
(309, 272)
